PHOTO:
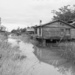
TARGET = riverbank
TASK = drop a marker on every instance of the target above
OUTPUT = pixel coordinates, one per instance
(64, 50)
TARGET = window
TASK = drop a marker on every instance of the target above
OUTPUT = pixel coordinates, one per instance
(67, 30)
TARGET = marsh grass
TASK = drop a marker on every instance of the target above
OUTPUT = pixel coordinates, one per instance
(65, 50)
(10, 57)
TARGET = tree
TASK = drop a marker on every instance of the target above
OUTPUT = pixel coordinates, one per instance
(13, 31)
(18, 31)
(23, 30)
(65, 13)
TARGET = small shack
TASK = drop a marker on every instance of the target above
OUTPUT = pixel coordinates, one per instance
(30, 30)
(55, 30)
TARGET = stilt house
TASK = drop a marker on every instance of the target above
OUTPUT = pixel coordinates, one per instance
(55, 30)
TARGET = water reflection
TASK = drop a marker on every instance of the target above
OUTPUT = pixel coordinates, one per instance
(32, 65)
(52, 58)
(13, 42)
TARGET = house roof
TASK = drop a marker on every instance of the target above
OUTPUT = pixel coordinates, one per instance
(54, 22)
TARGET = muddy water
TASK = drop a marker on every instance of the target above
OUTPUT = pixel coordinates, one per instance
(40, 61)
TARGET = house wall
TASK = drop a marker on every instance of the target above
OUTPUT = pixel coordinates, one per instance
(57, 30)
(51, 32)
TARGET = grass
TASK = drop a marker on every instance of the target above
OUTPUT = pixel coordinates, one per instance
(67, 51)
(10, 57)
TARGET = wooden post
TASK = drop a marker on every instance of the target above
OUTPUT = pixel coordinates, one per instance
(44, 42)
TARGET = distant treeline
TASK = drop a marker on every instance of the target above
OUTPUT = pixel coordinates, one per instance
(19, 31)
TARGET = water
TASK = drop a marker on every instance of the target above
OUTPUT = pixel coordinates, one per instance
(40, 61)
(13, 42)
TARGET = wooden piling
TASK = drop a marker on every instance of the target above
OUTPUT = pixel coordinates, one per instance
(44, 42)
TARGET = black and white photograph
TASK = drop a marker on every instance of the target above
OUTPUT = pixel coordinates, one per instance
(37, 37)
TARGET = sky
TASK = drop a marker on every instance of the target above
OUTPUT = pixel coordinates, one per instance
(24, 13)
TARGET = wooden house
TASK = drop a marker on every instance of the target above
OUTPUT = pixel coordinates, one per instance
(55, 30)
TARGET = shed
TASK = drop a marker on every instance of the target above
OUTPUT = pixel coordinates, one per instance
(30, 30)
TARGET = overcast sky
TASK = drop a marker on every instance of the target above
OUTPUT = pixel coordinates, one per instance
(25, 13)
